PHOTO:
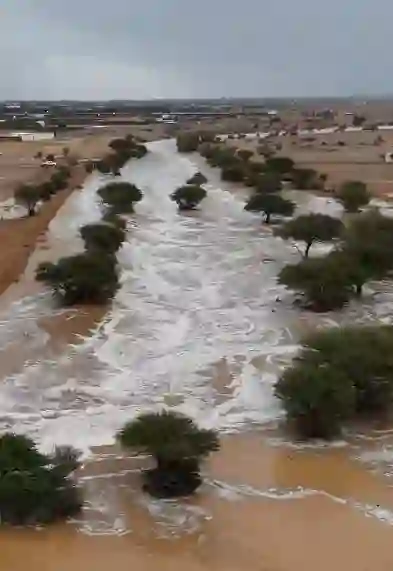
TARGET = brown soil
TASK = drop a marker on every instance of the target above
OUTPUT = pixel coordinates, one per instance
(18, 237)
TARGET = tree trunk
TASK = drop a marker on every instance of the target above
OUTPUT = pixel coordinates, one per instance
(267, 217)
(358, 289)
(31, 210)
(307, 250)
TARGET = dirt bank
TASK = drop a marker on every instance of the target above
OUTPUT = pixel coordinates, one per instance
(18, 237)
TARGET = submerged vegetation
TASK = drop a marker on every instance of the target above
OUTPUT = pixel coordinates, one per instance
(36, 488)
(177, 445)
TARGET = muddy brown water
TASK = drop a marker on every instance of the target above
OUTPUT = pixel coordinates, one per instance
(199, 325)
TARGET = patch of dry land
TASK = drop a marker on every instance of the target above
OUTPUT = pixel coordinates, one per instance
(18, 164)
(342, 156)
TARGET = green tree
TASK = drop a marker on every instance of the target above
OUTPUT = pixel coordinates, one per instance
(282, 165)
(367, 247)
(81, 279)
(270, 204)
(188, 197)
(198, 178)
(353, 195)
(187, 142)
(317, 399)
(233, 173)
(341, 374)
(35, 488)
(47, 190)
(244, 154)
(268, 182)
(364, 354)
(28, 195)
(307, 179)
(311, 228)
(102, 237)
(323, 282)
(120, 197)
(177, 446)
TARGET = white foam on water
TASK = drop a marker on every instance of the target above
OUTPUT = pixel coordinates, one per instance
(195, 289)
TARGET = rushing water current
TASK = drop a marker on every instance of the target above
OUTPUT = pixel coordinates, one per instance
(199, 325)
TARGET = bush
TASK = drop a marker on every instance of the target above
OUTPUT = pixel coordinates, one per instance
(102, 237)
(324, 282)
(187, 142)
(353, 195)
(268, 182)
(114, 219)
(189, 196)
(120, 197)
(28, 196)
(198, 178)
(368, 242)
(59, 180)
(103, 166)
(306, 179)
(316, 399)
(177, 446)
(83, 278)
(282, 165)
(311, 228)
(47, 190)
(35, 488)
(244, 154)
(341, 374)
(89, 167)
(233, 173)
(270, 204)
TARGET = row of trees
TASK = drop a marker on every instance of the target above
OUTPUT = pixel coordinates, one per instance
(92, 277)
(30, 195)
(122, 150)
(341, 376)
(363, 252)
(38, 488)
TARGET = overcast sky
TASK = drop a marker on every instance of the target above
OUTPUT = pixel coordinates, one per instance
(136, 49)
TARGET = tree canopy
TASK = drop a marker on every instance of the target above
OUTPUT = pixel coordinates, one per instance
(311, 228)
(28, 195)
(102, 237)
(270, 204)
(188, 196)
(120, 197)
(341, 374)
(176, 443)
(90, 278)
(353, 195)
(198, 178)
(35, 488)
(323, 282)
(187, 142)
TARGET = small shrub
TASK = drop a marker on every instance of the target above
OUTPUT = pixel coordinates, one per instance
(28, 196)
(83, 278)
(353, 195)
(270, 204)
(102, 237)
(198, 178)
(120, 197)
(35, 488)
(189, 196)
(177, 446)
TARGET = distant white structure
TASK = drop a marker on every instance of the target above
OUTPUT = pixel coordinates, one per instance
(389, 157)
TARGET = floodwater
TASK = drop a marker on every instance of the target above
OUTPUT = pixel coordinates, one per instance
(200, 326)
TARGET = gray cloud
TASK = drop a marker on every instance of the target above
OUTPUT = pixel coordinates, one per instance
(151, 48)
